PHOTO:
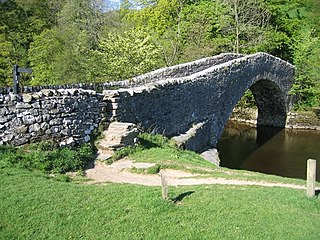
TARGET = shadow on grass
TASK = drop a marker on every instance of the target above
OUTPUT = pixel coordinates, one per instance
(181, 196)
(89, 165)
(148, 144)
(318, 192)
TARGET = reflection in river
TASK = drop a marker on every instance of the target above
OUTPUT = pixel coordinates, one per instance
(269, 150)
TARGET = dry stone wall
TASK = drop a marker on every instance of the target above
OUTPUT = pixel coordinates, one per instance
(67, 116)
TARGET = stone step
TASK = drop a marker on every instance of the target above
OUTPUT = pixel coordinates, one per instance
(104, 154)
(126, 136)
(121, 126)
(119, 135)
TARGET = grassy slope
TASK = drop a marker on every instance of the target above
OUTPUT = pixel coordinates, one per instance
(189, 161)
(34, 207)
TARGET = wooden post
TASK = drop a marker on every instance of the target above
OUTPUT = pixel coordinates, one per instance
(164, 187)
(16, 76)
(311, 177)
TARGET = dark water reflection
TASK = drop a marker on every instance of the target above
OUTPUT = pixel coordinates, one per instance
(269, 150)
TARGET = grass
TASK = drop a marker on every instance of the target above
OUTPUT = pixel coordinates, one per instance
(46, 157)
(35, 207)
(160, 150)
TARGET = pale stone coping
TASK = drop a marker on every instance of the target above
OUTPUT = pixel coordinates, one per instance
(198, 75)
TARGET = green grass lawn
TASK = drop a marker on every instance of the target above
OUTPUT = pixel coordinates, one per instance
(35, 207)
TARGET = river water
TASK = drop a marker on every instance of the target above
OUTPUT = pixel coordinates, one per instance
(282, 152)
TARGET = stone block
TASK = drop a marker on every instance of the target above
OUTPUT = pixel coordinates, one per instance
(22, 129)
(7, 137)
(34, 127)
(46, 117)
(23, 105)
(28, 119)
(3, 111)
(27, 98)
(44, 126)
(47, 92)
(55, 121)
(35, 105)
(3, 119)
(65, 132)
(87, 132)
(86, 138)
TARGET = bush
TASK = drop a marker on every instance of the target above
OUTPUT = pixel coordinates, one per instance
(46, 157)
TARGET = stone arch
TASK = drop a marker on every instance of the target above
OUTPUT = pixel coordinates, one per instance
(271, 102)
(271, 99)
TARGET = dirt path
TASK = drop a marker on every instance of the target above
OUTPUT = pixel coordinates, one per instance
(118, 172)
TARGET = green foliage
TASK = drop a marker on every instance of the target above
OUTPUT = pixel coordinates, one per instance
(155, 140)
(154, 169)
(61, 54)
(5, 61)
(247, 100)
(201, 30)
(20, 22)
(124, 56)
(155, 148)
(121, 153)
(245, 23)
(43, 52)
(46, 157)
(307, 84)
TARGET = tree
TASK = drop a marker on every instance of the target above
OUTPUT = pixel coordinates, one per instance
(307, 83)
(201, 31)
(14, 38)
(20, 22)
(5, 61)
(245, 21)
(288, 17)
(161, 19)
(124, 56)
(62, 54)
(43, 55)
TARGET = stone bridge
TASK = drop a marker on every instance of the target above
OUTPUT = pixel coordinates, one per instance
(190, 102)
(193, 101)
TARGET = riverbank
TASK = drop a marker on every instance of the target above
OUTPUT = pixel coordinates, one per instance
(308, 120)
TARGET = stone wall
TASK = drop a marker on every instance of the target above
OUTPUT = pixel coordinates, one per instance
(66, 116)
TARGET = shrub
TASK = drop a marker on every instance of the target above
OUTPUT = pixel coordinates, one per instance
(46, 157)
